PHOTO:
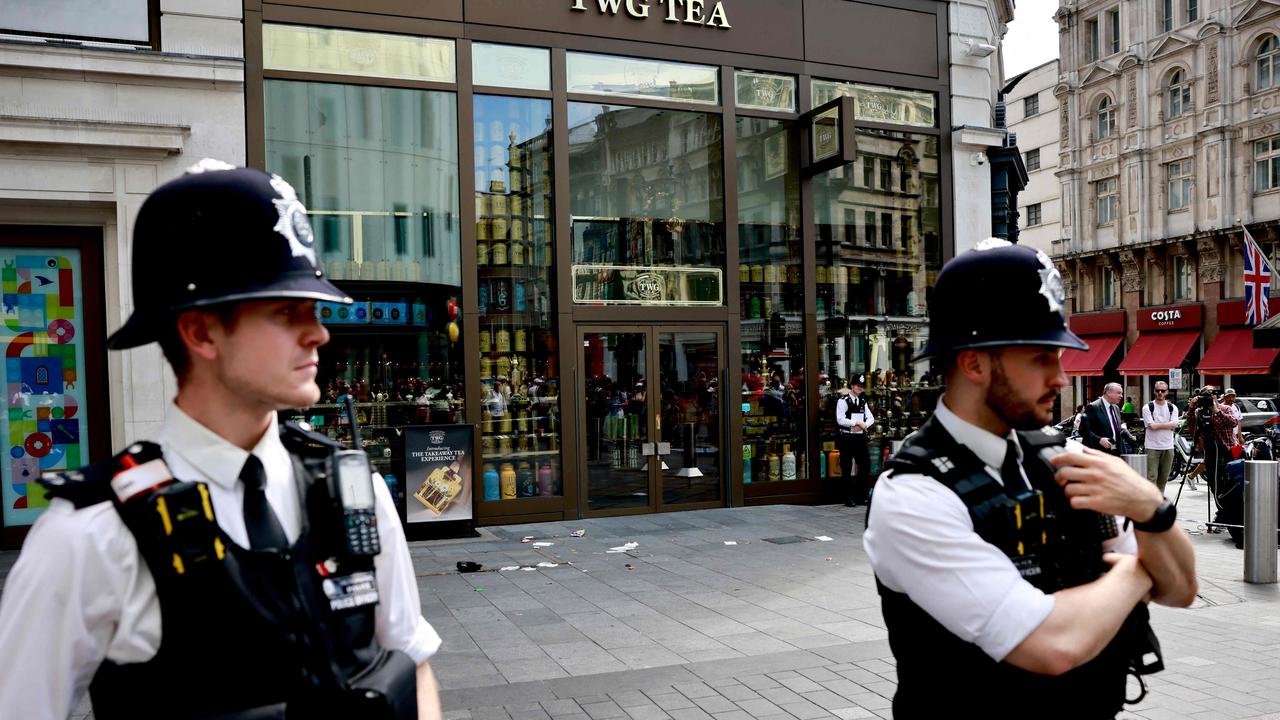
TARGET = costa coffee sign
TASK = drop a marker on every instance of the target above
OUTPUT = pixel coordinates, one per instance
(1175, 317)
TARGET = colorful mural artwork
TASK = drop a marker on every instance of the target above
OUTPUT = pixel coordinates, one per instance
(40, 319)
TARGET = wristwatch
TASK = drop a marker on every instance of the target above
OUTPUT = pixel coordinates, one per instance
(1162, 520)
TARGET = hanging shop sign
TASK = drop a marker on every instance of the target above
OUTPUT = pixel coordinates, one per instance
(438, 473)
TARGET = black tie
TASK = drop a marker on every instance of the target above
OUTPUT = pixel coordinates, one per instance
(1115, 422)
(1011, 471)
(265, 532)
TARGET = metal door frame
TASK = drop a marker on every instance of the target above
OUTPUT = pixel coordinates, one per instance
(652, 416)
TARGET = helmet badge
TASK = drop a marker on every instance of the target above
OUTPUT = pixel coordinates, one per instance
(1051, 285)
(293, 224)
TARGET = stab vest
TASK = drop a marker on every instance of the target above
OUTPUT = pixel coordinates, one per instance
(249, 634)
(940, 675)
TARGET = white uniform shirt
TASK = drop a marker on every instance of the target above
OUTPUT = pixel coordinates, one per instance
(80, 592)
(1163, 413)
(845, 420)
(921, 542)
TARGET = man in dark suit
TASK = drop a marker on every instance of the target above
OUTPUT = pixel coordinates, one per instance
(1102, 430)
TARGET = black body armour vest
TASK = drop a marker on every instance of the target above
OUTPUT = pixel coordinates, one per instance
(1054, 547)
(248, 633)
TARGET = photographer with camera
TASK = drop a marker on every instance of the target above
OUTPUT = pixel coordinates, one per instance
(1014, 570)
(1214, 428)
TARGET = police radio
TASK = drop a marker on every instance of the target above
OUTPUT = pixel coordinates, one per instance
(351, 488)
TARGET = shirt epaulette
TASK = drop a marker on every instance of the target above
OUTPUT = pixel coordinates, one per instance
(86, 486)
(91, 484)
(306, 441)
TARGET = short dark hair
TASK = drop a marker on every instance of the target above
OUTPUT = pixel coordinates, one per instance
(175, 351)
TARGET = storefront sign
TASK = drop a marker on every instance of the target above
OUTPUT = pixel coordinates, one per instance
(1170, 318)
(438, 473)
(647, 285)
(712, 25)
(690, 12)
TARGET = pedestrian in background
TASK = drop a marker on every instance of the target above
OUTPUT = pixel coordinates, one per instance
(1160, 419)
(1233, 407)
(1102, 426)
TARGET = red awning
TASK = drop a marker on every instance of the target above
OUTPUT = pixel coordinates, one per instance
(1092, 361)
(1232, 353)
(1156, 352)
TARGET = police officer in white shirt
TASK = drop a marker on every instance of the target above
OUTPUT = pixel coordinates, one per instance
(854, 418)
(237, 567)
(1011, 584)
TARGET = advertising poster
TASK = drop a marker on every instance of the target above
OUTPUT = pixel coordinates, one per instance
(438, 473)
(42, 337)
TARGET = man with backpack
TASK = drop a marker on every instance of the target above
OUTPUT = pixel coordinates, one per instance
(1160, 419)
(854, 418)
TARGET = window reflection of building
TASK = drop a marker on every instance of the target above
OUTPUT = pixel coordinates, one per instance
(647, 193)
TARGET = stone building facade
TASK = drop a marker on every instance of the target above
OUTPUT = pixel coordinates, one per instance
(1169, 130)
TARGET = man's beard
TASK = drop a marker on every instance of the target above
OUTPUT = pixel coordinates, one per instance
(1004, 402)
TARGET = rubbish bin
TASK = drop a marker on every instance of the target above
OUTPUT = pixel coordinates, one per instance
(1260, 497)
(1138, 462)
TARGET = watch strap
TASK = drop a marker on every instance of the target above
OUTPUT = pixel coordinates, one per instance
(1161, 521)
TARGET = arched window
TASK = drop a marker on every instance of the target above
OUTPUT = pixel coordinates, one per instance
(1268, 63)
(1179, 94)
(1106, 118)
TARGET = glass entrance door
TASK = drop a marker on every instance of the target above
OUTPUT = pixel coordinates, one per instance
(651, 413)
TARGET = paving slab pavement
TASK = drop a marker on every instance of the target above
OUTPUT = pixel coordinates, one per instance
(778, 624)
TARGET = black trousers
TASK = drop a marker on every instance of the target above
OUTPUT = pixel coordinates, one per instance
(854, 447)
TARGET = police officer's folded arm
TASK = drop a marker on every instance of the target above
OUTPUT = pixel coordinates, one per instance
(1107, 484)
(1084, 619)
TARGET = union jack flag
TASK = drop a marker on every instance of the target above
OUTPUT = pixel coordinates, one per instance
(1257, 281)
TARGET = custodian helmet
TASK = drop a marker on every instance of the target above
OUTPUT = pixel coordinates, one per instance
(998, 294)
(219, 234)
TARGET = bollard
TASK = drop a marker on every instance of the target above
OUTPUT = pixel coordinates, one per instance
(1260, 496)
(1138, 462)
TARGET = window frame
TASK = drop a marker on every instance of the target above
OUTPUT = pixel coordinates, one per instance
(1183, 287)
(1113, 28)
(1167, 20)
(1107, 194)
(1031, 105)
(1035, 214)
(153, 32)
(1032, 161)
(1107, 287)
(1266, 56)
(1270, 160)
(1179, 174)
(1177, 94)
(1093, 28)
(1105, 126)
(1192, 10)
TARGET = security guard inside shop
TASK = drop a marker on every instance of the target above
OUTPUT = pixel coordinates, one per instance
(237, 567)
(854, 418)
(1014, 571)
